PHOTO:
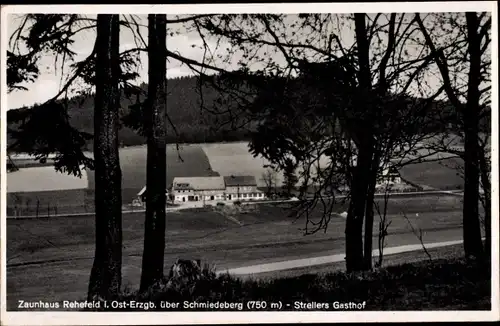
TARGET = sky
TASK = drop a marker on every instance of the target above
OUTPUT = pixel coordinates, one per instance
(49, 82)
(187, 44)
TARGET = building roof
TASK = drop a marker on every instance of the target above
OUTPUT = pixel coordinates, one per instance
(44, 178)
(240, 180)
(199, 183)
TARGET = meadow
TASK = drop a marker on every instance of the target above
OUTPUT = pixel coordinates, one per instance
(225, 159)
(61, 249)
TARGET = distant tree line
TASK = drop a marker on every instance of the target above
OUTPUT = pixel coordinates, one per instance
(194, 124)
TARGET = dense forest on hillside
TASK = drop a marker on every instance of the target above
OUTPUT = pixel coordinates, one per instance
(192, 123)
(191, 115)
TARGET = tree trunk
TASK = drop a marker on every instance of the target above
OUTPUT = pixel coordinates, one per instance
(156, 125)
(471, 225)
(361, 177)
(355, 215)
(484, 168)
(105, 277)
(369, 215)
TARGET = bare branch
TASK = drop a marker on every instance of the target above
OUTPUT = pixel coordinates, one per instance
(188, 19)
(441, 62)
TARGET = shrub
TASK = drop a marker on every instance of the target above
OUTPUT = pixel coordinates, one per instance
(450, 284)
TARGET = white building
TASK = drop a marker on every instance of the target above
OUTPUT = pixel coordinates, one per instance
(242, 187)
(206, 189)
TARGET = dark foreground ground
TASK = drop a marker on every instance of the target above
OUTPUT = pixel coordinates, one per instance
(50, 259)
(444, 284)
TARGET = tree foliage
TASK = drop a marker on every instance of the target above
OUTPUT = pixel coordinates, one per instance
(54, 34)
(466, 78)
(352, 103)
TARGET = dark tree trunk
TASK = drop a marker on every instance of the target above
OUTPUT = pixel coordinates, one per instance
(105, 277)
(471, 225)
(355, 215)
(483, 166)
(369, 215)
(361, 178)
(156, 125)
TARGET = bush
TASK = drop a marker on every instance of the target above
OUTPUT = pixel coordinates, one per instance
(237, 202)
(452, 284)
(221, 204)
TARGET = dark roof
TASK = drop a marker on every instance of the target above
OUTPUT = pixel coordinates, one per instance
(199, 183)
(240, 180)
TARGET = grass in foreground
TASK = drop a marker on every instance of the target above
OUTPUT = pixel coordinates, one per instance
(444, 284)
(419, 256)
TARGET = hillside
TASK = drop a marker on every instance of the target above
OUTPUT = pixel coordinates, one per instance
(184, 107)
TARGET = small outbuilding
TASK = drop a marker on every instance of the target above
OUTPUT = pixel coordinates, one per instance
(141, 196)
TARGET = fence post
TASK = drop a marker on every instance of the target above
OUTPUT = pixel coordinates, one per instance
(48, 209)
(37, 207)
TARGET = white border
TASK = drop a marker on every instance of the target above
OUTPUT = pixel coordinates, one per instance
(292, 8)
(495, 223)
(136, 318)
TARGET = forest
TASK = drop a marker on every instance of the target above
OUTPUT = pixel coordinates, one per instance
(193, 125)
(193, 118)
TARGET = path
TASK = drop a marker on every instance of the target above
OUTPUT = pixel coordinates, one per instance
(313, 261)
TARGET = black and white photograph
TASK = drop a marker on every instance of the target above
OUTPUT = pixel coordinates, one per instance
(298, 159)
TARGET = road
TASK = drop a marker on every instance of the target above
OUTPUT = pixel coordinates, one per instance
(51, 259)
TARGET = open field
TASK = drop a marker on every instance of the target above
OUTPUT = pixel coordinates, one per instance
(436, 174)
(133, 164)
(223, 159)
(190, 161)
(234, 158)
(61, 249)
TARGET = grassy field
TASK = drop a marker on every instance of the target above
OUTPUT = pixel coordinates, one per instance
(62, 249)
(260, 224)
(189, 161)
(234, 158)
(227, 159)
(439, 175)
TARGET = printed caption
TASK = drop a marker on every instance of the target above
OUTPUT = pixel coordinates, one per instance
(191, 305)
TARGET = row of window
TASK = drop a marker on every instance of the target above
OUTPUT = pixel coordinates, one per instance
(227, 196)
(190, 190)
